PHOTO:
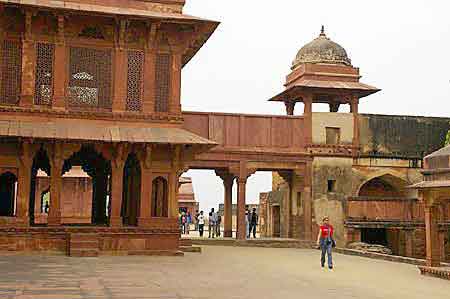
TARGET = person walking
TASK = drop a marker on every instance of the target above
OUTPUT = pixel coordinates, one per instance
(188, 223)
(183, 223)
(214, 223)
(253, 223)
(196, 219)
(326, 242)
(201, 223)
(210, 224)
(219, 221)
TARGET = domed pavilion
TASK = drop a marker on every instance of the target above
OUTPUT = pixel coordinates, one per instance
(434, 192)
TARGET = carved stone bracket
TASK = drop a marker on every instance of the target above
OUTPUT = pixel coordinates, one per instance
(152, 34)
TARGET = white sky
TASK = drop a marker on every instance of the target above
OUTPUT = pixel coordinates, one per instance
(402, 47)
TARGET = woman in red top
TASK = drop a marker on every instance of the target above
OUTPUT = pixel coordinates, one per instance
(326, 242)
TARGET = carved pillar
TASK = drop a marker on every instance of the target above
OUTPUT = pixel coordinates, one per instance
(175, 104)
(117, 165)
(354, 109)
(24, 184)
(120, 70)
(432, 236)
(173, 182)
(307, 100)
(60, 68)
(241, 227)
(307, 200)
(290, 107)
(146, 188)
(56, 164)
(227, 179)
(28, 63)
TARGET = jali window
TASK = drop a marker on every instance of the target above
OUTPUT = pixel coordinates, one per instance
(162, 73)
(44, 74)
(11, 72)
(90, 78)
(134, 80)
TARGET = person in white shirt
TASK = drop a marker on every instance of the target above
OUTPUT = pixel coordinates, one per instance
(201, 223)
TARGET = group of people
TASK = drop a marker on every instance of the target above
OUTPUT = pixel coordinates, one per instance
(199, 219)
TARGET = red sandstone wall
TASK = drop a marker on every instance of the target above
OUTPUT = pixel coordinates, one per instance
(77, 199)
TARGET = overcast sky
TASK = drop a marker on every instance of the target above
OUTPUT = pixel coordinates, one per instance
(402, 47)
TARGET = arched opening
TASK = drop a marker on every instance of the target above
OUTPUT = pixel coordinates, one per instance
(8, 194)
(160, 200)
(131, 190)
(41, 163)
(98, 170)
(383, 186)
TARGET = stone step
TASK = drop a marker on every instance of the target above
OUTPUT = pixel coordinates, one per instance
(192, 249)
(84, 245)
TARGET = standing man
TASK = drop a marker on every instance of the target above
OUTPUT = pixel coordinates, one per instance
(253, 222)
(247, 222)
(196, 219)
(219, 221)
(214, 222)
(201, 223)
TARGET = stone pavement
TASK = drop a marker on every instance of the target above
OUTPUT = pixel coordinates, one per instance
(219, 272)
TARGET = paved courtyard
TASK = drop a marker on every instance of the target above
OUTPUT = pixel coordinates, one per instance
(219, 272)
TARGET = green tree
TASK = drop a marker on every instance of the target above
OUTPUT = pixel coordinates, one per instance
(447, 138)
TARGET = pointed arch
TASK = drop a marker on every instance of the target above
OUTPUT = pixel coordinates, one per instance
(383, 185)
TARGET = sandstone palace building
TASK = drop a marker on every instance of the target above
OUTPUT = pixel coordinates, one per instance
(94, 139)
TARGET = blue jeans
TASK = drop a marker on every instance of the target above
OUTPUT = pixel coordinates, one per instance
(326, 248)
(247, 230)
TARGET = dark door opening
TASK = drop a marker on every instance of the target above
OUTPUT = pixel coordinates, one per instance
(276, 221)
(374, 236)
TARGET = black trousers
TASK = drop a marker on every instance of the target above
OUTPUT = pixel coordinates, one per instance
(200, 229)
(253, 228)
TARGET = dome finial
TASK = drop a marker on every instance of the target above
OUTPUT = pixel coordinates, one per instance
(322, 31)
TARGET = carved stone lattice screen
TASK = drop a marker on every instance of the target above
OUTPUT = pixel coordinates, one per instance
(134, 80)
(11, 72)
(90, 78)
(44, 74)
(162, 82)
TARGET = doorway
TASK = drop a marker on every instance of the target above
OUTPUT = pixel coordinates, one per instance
(276, 221)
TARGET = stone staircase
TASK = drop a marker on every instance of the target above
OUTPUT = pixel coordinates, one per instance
(186, 245)
(83, 245)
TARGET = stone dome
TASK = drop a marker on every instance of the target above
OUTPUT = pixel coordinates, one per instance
(322, 50)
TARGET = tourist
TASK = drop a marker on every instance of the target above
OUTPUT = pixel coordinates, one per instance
(210, 224)
(214, 223)
(201, 223)
(253, 223)
(219, 221)
(326, 242)
(183, 223)
(187, 223)
(196, 219)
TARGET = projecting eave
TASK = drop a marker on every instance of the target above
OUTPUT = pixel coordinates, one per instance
(204, 29)
(431, 185)
(318, 86)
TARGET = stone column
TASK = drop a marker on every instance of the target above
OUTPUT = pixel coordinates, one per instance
(173, 191)
(117, 165)
(120, 80)
(146, 188)
(174, 105)
(24, 185)
(354, 109)
(227, 179)
(432, 236)
(148, 102)
(56, 164)
(307, 201)
(307, 100)
(28, 64)
(60, 69)
(241, 227)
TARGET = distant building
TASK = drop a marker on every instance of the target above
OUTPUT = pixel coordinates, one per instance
(186, 196)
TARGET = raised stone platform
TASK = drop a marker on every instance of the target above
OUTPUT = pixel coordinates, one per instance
(261, 242)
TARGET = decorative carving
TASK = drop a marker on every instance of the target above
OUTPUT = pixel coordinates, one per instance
(11, 68)
(93, 32)
(162, 82)
(152, 33)
(61, 30)
(43, 92)
(135, 80)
